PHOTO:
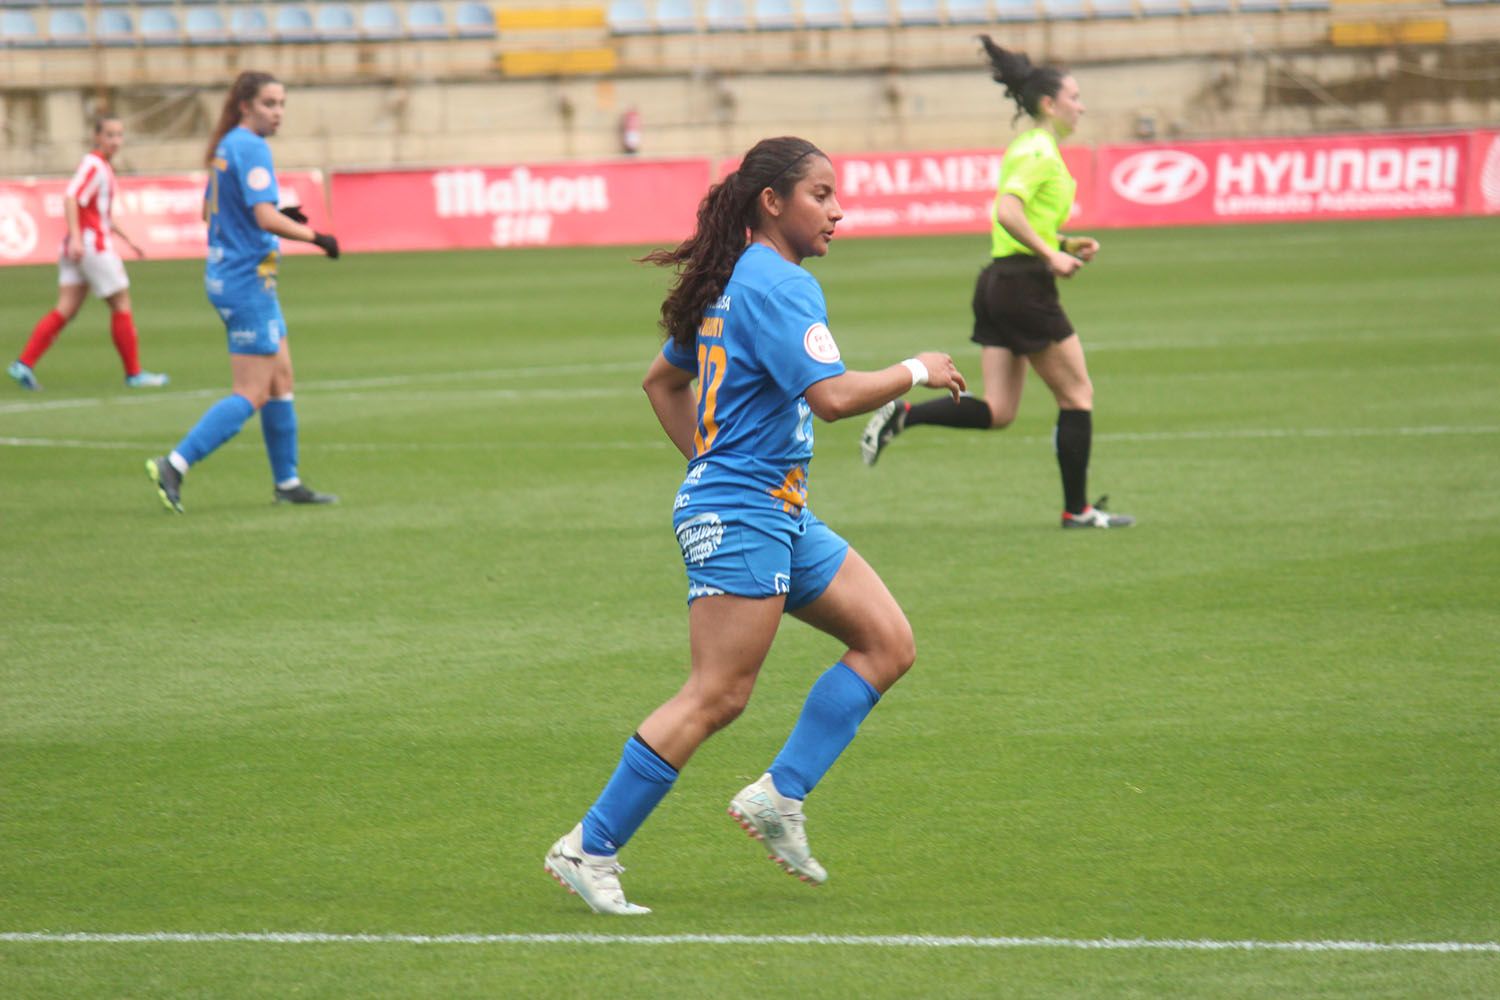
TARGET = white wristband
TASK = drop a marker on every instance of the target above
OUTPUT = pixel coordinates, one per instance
(918, 371)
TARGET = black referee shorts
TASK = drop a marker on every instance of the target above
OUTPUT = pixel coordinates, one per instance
(1016, 306)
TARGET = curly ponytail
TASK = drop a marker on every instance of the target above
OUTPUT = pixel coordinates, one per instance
(706, 259)
(1024, 83)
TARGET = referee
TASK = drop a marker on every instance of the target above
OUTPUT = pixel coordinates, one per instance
(1018, 319)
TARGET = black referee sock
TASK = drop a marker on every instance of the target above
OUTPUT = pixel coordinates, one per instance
(1074, 435)
(969, 411)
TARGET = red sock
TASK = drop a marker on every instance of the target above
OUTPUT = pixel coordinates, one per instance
(122, 329)
(46, 331)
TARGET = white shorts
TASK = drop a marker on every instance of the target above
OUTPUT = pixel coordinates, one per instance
(104, 273)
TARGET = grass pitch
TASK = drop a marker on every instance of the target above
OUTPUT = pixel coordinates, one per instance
(1266, 714)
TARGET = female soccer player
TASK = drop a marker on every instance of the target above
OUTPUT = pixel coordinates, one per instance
(240, 276)
(1018, 320)
(750, 326)
(88, 261)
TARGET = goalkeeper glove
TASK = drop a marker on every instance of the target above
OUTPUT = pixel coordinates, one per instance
(294, 213)
(328, 244)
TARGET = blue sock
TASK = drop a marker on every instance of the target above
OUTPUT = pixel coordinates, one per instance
(221, 422)
(641, 781)
(836, 705)
(278, 425)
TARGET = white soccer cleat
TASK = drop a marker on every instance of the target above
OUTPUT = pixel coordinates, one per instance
(882, 427)
(769, 816)
(592, 878)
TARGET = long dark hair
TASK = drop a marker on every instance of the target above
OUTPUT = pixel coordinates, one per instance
(1024, 83)
(245, 87)
(706, 259)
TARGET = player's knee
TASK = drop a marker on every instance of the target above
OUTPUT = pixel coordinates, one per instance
(898, 647)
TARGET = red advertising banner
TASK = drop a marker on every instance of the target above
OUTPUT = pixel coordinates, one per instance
(1484, 174)
(1317, 178)
(916, 194)
(561, 204)
(163, 213)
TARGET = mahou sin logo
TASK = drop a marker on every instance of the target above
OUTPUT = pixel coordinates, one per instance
(1158, 177)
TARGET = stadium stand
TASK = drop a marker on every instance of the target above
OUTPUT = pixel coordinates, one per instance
(1016, 10)
(870, 13)
(249, 24)
(159, 27)
(379, 22)
(1064, 10)
(629, 17)
(1112, 8)
(474, 20)
(18, 30)
(726, 15)
(114, 27)
(335, 22)
(293, 23)
(426, 19)
(67, 26)
(205, 26)
(967, 11)
(916, 12)
(775, 15)
(676, 16)
(822, 13)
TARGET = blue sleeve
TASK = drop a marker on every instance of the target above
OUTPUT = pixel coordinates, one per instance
(678, 357)
(257, 175)
(795, 345)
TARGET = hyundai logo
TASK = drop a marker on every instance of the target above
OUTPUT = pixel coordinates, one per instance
(1158, 177)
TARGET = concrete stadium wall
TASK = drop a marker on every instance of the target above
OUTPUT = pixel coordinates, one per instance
(873, 101)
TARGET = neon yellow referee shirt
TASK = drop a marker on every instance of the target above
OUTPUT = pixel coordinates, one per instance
(1033, 170)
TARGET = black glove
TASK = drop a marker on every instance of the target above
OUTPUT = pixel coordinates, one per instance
(295, 214)
(327, 243)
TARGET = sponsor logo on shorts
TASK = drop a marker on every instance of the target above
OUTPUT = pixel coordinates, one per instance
(819, 344)
(682, 500)
(694, 474)
(215, 286)
(703, 590)
(242, 338)
(274, 330)
(783, 583)
(700, 537)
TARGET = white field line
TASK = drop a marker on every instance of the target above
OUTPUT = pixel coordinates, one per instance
(1224, 434)
(817, 940)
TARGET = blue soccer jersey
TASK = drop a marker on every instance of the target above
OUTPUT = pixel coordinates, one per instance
(758, 348)
(241, 255)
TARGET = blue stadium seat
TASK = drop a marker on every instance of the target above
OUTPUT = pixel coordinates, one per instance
(249, 24)
(292, 23)
(474, 20)
(114, 27)
(870, 13)
(426, 20)
(18, 30)
(159, 27)
(335, 22)
(967, 11)
(67, 28)
(628, 17)
(917, 12)
(379, 22)
(1016, 10)
(205, 26)
(1063, 10)
(727, 15)
(775, 15)
(823, 13)
(675, 16)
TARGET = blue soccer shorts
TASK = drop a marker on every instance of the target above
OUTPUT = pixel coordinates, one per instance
(752, 553)
(252, 321)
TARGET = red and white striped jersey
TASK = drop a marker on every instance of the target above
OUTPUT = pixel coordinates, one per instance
(93, 187)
